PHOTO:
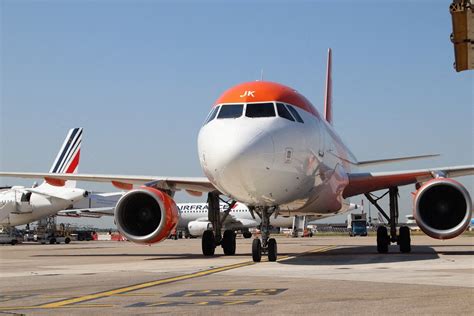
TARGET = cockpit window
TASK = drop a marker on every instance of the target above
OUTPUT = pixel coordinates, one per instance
(230, 111)
(283, 112)
(212, 115)
(260, 110)
(295, 114)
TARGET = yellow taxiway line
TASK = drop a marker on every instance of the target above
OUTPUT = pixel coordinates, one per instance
(120, 291)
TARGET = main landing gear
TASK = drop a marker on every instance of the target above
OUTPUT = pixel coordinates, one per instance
(213, 238)
(383, 238)
(266, 245)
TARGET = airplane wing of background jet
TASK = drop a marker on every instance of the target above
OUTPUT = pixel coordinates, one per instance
(193, 185)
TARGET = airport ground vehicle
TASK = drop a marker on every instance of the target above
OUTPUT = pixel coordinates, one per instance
(49, 232)
(357, 224)
(84, 235)
(265, 145)
(10, 237)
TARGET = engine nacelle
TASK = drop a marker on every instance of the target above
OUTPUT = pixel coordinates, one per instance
(442, 208)
(197, 228)
(146, 215)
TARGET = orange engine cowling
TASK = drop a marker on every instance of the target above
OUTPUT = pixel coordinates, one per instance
(146, 215)
(442, 208)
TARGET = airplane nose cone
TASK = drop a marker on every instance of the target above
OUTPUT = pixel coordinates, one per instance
(236, 158)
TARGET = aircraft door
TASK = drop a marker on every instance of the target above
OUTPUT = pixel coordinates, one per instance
(25, 206)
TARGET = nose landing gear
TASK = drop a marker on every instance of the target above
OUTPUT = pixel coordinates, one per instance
(266, 245)
(213, 238)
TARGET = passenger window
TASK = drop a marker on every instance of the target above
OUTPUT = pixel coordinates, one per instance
(212, 115)
(230, 111)
(295, 114)
(283, 112)
(260, 110)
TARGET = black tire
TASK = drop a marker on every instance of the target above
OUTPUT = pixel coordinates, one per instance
(52, 241)
(382, 239)
(247, 235)
(404, 239)
(272, 250)
(208, 243)
(67, 240)
(13, 242)
(228, 243)
(256, 250)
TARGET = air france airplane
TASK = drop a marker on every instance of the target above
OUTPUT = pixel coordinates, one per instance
(20, 205)
(193, 217)
(265, 145)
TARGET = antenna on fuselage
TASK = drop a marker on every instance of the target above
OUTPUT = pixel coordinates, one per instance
(261, 75)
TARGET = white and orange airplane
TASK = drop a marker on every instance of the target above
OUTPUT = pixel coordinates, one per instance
(265, 145)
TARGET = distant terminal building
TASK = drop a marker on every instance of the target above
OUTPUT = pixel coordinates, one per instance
(462, 37)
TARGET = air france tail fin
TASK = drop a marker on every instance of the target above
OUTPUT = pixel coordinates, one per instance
(67, 160)
(328, 95)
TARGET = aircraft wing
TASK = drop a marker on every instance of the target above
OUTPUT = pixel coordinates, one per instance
(194, 185)
(366, 182)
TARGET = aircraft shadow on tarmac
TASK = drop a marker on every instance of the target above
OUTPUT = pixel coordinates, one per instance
(343, 255)
(146, 256)
(351, 255)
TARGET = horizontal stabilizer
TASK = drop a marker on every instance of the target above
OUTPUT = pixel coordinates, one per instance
(389, 160)
(47, 194)
(96, 212)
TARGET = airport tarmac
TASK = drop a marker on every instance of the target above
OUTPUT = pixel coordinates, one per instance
(319, 275)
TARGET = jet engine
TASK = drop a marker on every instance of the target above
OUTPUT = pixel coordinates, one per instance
(197, 228)
(146, 215)
(442, 208)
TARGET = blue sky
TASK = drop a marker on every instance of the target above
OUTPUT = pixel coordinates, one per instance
(140, 76)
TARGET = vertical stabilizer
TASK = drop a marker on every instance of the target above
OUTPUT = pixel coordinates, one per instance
(67, 160)
(328, 95)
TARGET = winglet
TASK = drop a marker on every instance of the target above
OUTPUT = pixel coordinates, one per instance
(328, 94)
